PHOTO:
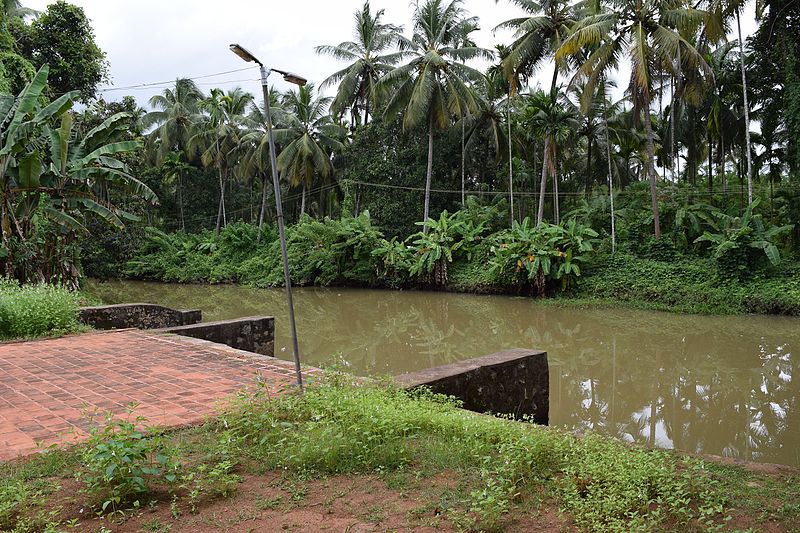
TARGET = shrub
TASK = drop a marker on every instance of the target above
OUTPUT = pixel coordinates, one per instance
(120, 462)
(545, 252)
(36, 310)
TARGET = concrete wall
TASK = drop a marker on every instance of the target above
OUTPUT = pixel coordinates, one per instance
(514, 382)
(137, 315)
(252, 334)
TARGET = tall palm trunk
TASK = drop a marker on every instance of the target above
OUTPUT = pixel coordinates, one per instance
(721, 162)
(651, 169)
(221, 206)
(746, 114)
(428, 175)
(543, 183)
(710, 163)
(556, 206)
(263, 205)
(610, 179)
(463, 198)
(180, 200)
(303, 200)
(510, 160)
(587, 185)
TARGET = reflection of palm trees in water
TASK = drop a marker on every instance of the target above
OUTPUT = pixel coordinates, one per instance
(715, 384)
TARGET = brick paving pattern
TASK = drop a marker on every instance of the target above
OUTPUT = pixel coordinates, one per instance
(48, 387)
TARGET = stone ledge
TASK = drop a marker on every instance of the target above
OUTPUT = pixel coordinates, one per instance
(137, 315)
(513, 382)
(252, 334)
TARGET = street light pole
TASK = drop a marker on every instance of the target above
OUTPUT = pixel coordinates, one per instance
(292, 78)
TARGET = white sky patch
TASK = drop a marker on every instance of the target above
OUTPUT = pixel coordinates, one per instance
(153, 41)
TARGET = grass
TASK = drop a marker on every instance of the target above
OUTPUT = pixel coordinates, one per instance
(501, 469)
(33, 311)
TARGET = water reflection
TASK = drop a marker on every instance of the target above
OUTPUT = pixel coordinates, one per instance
(720, 385)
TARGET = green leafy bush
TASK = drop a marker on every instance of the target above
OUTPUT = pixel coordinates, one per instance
(121, 461)
(537, 254)
(739, 244)
(36, 310)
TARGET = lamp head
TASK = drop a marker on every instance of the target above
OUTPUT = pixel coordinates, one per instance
(243, 53)
(294, 78)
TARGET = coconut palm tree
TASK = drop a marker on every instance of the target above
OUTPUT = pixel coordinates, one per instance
(434, 87)
(644, 31)
(537, 35)
(369, 61)
(13, 9)
(718, 16)
(255, 140)
(174, 113)
(555, 122)
(309, 137)
(218, 136)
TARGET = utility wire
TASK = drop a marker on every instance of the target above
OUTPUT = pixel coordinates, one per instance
(170, 82)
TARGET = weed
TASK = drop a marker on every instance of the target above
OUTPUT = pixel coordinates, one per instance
(121, 461)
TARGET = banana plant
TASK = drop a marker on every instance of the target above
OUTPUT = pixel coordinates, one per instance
(739, 234)
(434, 247)
(22, 119)
(545, 251)
(81, 172)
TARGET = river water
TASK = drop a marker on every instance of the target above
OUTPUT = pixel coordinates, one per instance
(721, 385)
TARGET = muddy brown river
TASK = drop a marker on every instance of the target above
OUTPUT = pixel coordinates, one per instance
(721, 385)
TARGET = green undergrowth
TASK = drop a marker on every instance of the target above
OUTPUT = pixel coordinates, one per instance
(338, 428)
(31, 311)
(687, 285)
(469, 251)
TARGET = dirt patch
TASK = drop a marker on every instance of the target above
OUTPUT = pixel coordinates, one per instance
(273, 502)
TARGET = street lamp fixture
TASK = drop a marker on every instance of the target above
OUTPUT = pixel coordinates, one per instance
(297, 80)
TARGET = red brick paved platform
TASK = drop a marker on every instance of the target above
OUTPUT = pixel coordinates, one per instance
(48, 386)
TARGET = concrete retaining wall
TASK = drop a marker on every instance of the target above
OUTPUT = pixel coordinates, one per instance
(252, 334)
(514, 382)
(137, 315)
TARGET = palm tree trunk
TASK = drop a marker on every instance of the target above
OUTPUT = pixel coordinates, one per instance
(463, 199)
(588, 164)
(263, 205)
(303, 200)
(710, 163)
(721, 162)
(510, 160)
(651, 170)
(746, 114)
(428, 176)
(672, 127)
(543, 183)
(610, 180)
(221, 203)
(556, 206)
(180, 200)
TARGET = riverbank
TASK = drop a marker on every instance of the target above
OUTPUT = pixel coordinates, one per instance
(376, 457)
(684, 285)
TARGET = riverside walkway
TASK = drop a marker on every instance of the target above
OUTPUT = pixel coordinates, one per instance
(49, 388)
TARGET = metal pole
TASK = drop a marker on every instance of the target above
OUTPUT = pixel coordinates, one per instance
(281, 232)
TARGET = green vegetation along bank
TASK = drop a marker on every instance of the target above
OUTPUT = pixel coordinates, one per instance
(727, 265)
(508, 475)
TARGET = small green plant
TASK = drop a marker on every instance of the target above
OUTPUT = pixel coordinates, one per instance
(36, 310)
(121, 461)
